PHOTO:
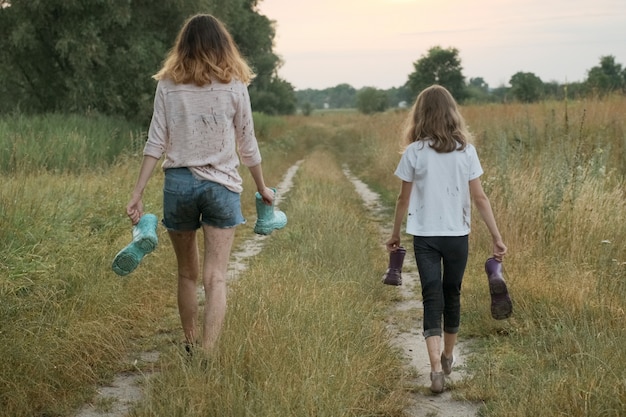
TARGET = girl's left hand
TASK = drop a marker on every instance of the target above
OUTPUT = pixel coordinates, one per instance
(499, 250)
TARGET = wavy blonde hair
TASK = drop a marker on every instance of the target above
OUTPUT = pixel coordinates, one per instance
(204, 51)
(435, 118)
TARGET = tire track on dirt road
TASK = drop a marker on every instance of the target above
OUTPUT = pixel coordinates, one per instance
(410, 341)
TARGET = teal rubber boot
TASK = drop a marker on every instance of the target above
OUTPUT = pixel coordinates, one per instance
(145, 240)
(268, 219)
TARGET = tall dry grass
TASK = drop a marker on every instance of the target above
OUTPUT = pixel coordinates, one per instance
(555, 175)
(304, 329)
(67, 322)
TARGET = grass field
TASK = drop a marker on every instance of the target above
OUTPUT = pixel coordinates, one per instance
(305, 334)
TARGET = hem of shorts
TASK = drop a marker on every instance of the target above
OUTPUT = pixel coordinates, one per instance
(225, 227)
(193, 229)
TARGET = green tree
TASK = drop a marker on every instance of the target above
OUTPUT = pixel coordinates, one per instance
(63, 55)
(399, 96)
(371, 100)
(315, 97)
(438, 66)
(478, 90)
(526, 87)
(277, 97)
(606, 77)
(77, 56)
(307, 109)
(341, 96)
(254, 33)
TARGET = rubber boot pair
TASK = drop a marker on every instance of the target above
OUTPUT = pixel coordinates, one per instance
(268, 219)
(393, 275)
(501, 305)
(144, 241)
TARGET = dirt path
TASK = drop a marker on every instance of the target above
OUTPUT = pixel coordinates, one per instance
(409, 338)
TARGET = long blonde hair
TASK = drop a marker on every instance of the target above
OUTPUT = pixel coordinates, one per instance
(204, 51)
(435, 118)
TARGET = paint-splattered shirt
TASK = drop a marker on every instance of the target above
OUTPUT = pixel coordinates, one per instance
(440, 198)
(206, 129)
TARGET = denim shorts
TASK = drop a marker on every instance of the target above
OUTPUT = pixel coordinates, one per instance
(188, 202)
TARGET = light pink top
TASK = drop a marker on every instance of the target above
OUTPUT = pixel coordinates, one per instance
(203, 128)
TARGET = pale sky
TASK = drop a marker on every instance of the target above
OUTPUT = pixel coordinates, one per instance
(374, 43)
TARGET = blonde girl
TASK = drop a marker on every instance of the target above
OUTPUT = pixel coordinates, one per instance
(440, 174)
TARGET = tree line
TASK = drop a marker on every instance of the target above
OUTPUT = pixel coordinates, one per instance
(443, 66)
(81, 56)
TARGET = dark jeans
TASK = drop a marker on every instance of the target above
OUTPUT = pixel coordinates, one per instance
(441, 264)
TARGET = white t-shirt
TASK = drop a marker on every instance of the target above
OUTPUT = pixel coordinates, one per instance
(440, 198)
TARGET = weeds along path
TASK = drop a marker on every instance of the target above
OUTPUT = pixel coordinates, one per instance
(406, 331)
(253, 246)
(117, 398)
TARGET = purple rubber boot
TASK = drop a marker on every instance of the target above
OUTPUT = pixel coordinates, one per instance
(501, 305)
(393, 276)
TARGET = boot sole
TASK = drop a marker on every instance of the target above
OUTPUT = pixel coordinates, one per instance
(145, 241)
(501, 305)
(396, 281)
(128, 259)
(266, 228)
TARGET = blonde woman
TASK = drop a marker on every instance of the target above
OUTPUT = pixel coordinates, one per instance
(202, 117)
(440, 172)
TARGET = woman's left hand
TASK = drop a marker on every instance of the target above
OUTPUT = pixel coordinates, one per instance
(267, 194)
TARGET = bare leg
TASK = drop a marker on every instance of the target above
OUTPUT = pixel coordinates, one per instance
(433, 345)
(186, 248)
(217, 246)
(449, 340)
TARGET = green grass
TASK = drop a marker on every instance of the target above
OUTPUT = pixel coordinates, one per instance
(64, 143)
(555, 175)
